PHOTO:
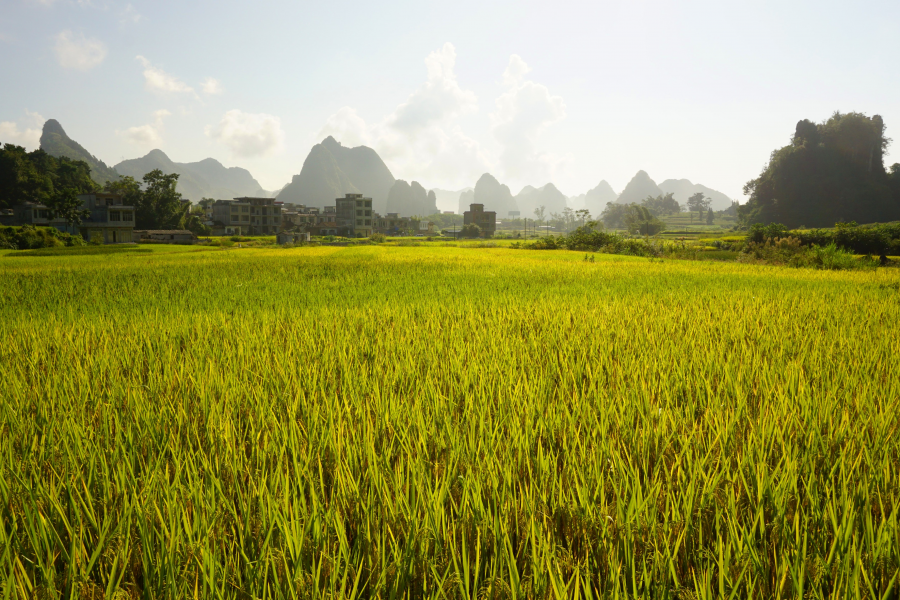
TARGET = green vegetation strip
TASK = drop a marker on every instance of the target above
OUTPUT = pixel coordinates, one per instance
(76, 251)
(446, 423)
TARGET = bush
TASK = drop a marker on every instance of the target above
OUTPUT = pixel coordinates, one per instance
(470, 231)
(28, 237)
(791, 252)
(380, 238)
(878, 240)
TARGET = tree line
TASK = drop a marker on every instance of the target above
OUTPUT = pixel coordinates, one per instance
(56, 182)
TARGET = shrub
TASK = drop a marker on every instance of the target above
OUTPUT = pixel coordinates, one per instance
(379, 238)
(28, 237)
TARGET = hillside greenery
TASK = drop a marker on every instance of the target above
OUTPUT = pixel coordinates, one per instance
(831, 172)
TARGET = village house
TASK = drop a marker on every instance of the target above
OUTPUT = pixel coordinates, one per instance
(486, 220)
(109, 220)
(245, 216)
(354, 215)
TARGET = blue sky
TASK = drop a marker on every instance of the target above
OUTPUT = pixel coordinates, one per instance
(568, 92)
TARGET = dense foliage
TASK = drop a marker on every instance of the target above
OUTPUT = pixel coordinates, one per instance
(878, 240)
(830, 172)
(157, 204)
(28, 236)
(384, 422)
(39, 177)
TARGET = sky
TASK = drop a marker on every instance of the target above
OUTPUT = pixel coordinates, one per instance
(533, 92)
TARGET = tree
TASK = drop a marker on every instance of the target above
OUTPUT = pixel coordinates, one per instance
(568, 216)
(709, 216)
(639, 219)
(194, 221)
(160, 206)
(698, 202)
(584, 214)
(65, 204)
(470, 231)
(539, 214)
(613, 216)
(127, 187)
(830, 172)
(39, 177)
(662, 205)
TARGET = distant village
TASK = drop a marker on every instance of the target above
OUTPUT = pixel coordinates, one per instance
(110, 221)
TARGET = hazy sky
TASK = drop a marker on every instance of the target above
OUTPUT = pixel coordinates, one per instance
(569, 92)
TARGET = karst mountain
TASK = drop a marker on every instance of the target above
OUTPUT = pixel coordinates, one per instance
(332, 170)
(55, 142)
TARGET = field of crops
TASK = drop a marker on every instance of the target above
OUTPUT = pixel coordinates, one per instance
(445, 422)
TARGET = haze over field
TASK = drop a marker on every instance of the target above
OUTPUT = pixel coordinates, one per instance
(530, 93)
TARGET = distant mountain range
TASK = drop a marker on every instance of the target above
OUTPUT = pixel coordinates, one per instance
(494, 195)
(641, 186)
(531, 198)
(207, 178)
(682, 189)
(55, 142)
(408, 199)
(332, 170)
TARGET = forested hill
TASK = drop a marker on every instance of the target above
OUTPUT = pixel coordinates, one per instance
(55, 142)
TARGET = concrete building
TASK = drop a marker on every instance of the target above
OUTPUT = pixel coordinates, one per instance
(245, 216)
(354, 216)
(486, 220)
(109, 220)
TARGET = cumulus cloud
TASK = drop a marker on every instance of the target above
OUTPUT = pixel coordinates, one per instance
(211, 86)
(24, 132)
(522, 112)
(420, 139)
(149, 135)
(157, 80)
(78, 52)
(248, 135)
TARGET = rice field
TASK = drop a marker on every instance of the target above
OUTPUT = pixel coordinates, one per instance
(445, 422)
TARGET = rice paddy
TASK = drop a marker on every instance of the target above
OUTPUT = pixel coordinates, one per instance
(445, 422)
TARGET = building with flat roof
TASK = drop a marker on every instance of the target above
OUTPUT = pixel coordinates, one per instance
(354, 216)
(486, 220)
(245, 216)
(109, 219)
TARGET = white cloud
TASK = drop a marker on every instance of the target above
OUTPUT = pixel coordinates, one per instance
(440, 97)
(420, 140)
(78, 52)
(522, 112)
(157, 80)
(211, 86)
(248, 135)
(149, 135)
(26, 132)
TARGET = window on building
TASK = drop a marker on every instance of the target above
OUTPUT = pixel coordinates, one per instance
(127, 216)
(368, 213)
(368, 222)
(235, 218)
(114, 215)
(359, 222)
(245, 209)
(265, 220)
(234, 209)
(359, 213)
